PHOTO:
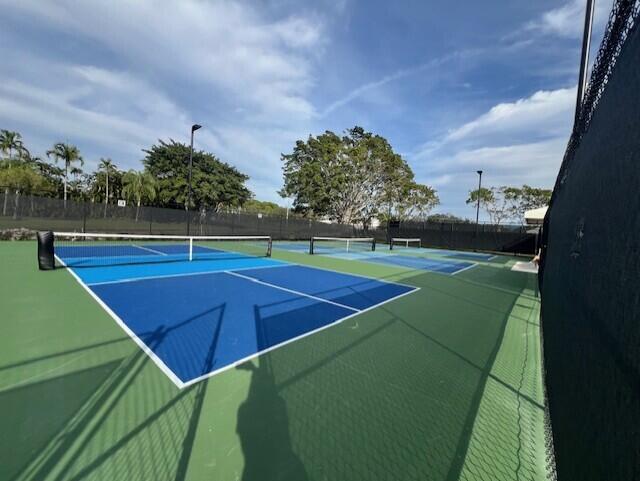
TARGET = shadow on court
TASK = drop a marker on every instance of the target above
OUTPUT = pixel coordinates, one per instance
(393, 393)
(263, 428)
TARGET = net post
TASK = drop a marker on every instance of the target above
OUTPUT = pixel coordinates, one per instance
(46, 259)
(348, 241)
(391, 244)
(190, 248)
(269, 246)
(373, 245)
(311, 246)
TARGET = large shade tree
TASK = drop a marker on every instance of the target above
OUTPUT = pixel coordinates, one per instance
(353, 178)
(508, 202)
(216, 184)
(69, 155)
(21, 178)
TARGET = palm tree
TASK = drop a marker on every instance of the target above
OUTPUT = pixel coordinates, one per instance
(139, 186)
(69, 154)
(108, 167)
(10, 141)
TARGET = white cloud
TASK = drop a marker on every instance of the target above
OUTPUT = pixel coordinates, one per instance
(514, 143)
(433, 67)
(543, 113)
(568, 20)
(161, 65)
(226, 45)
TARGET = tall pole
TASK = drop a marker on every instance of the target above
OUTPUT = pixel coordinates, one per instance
(479, 172)
(194, 127)
(584, 58)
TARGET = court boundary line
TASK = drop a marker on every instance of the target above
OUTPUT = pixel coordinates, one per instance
(297, 338)
(281, 263)
(141, 344)
(183, 274)
(400, 266)
(292, 291)
(150, 250)
(352, 274)
(473, 264)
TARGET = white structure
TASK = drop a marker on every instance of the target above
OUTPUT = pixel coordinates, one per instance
(535, 216)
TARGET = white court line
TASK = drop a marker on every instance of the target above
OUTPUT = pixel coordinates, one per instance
(182, 274)
(291, 291)
(384, 281)
(465, 269)
(150, 250)
(141, 344)
(294, 339)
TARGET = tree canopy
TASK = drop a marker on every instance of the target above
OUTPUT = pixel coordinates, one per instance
(353, 178)
(507, 202)
(215, 184)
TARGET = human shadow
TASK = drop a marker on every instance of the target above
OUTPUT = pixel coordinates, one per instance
(263, 426)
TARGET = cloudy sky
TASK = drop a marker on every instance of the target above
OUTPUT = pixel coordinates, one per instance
(454, 86)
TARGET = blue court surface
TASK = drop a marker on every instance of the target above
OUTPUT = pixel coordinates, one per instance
(195, 319)
(413, 262)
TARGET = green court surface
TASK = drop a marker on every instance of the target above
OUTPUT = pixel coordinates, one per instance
(442, 384)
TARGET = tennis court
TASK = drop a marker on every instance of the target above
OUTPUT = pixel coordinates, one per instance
(187, 314)
(364, 250)
(218, 359)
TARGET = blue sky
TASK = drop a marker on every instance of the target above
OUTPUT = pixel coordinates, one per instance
(454, 86)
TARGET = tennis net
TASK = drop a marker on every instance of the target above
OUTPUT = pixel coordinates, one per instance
(401, 242)
(87, 250)
(333, 245)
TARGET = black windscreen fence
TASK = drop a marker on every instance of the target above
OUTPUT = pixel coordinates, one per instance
(43, 213)
(590, 274)
(514, 239)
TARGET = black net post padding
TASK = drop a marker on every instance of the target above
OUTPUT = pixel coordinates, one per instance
(391, 244)
(373, 244)
(311, 246)
(46, 261)
(269, 246)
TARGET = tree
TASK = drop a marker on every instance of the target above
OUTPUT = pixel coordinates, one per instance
(216, 184)
(263, 207)
(447, 218)
(21, 178)
(69, 154)
(10, 142)
(493, 200)
(526, 198)
(419, 201)
(138, 186)
(108, 168)
(346, 179)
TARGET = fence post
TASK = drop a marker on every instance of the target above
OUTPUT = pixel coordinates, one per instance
(84, 217)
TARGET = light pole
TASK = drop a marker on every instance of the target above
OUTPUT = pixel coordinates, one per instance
(194, 127)
(479, 172)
